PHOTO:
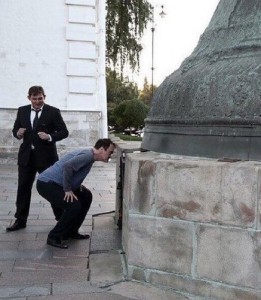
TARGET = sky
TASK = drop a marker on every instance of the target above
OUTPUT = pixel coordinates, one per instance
(175, 36)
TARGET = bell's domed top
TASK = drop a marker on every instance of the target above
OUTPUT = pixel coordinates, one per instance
(211, 106)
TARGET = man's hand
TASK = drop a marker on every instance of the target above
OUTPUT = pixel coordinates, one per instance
(43, 136)
(70, 197)
(20, 133)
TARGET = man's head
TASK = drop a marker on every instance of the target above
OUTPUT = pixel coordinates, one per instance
(103, 150)
(37, 96)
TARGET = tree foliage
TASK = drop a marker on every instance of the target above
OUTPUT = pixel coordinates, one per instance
(130, 113)
(145, 94)
(126, 21)
(119, 89)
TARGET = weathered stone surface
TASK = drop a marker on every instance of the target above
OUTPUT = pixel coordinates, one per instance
(207, 191)
(21, 292)
(105, 268)
(43, 277)
(139, 184)
(210, 247)
(138, 274)
(74, 287)
(229, 255)
(75, 263)
(202, 288)
(125, 227)
(141, 291)
(188, 190)
(6, 265)
(160, 244)
(84, 296)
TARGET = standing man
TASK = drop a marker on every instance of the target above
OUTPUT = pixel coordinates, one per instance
(61, 185)
(40, 126)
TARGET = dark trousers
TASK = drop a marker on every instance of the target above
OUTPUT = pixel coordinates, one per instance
(72, 213)
(26, 176)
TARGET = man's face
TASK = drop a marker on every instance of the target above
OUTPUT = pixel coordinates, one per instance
(106, 154)
(37, 100)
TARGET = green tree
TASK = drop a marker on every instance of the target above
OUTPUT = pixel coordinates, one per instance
(145, 94)
(126, 21)
(130, 113)
(119, 89)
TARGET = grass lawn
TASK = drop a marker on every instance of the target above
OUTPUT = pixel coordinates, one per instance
(126, 137)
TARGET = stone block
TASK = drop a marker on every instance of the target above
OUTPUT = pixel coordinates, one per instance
(84, 103)
(229, 255)
(6, 266)
(13, 279)
(105, 268)
(240, 192)
(82, 14)
(77, 287)
(122, 149)
(125, 227)
(82, 85)
(9, 246)
(81, 67)
(137, 290)
(104, 240)
(139, 183)
(72, 264)
(138, 274)
(103, 222)
(161, 244)
(25, 291)
(81, 2)
(81, 117)
(82, 50)
(202, 288)
(80, 32)
(207, 191)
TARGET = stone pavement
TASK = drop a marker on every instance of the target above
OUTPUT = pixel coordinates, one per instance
(92, 269)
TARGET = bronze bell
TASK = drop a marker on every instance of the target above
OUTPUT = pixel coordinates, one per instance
(211, 106)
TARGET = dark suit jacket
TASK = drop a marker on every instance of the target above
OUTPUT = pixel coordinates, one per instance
(50, 122)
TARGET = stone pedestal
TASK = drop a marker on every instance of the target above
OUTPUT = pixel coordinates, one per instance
(193, 224)
(123, 147)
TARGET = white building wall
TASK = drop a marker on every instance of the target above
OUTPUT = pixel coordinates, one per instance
(60, 45)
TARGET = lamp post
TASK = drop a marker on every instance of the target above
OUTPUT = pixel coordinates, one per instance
(162, 14)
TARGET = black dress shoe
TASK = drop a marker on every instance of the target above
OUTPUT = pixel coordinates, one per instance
(55, 242)
(76, 236)
(16, 226)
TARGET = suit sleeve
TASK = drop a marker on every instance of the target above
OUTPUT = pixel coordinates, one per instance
(60, 130)
(17, 124)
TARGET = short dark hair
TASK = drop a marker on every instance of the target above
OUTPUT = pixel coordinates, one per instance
(35, 90)
(105, 143)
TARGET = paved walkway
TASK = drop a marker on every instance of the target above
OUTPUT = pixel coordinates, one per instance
(93, 269)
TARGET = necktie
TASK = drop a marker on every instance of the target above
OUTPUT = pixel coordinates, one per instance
(35, 118)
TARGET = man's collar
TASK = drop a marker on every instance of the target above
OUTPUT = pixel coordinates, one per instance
(32, 108)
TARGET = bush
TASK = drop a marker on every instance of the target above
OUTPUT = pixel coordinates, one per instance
(130, 113)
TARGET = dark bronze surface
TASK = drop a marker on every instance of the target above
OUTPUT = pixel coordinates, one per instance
(211, 106)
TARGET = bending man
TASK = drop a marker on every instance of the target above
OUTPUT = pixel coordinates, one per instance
(61, 185)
